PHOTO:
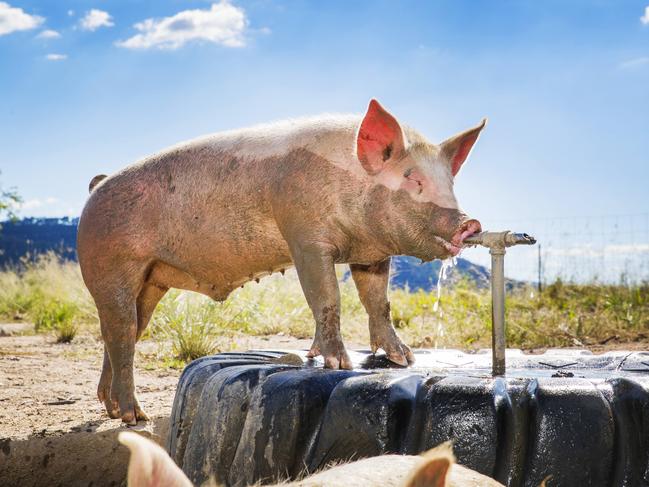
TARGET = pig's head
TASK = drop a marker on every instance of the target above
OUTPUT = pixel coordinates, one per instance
(421, 215)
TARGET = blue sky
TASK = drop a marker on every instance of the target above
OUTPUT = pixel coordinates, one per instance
(565, 85)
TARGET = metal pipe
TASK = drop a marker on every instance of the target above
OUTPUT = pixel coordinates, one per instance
(498, 343)
(497, 242)
(493, 239)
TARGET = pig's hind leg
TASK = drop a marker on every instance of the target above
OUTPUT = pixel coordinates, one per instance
(116, 297)
(372, 284)
(146, 302)
(103, 389)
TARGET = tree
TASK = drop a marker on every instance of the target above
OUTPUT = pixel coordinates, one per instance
(9, 201)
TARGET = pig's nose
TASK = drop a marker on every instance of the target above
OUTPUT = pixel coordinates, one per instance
(468, 228)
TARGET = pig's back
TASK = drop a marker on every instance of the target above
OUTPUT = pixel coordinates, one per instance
(220, 170)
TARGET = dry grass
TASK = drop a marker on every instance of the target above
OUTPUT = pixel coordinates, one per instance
(52, 295)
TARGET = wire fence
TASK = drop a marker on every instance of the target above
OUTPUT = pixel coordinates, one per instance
(605, 249)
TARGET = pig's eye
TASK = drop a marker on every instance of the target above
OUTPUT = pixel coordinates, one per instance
(413, 181)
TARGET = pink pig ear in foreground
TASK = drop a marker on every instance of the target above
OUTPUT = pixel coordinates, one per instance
(379, 140)
(457, 148)
(150, 466)
(434, 468)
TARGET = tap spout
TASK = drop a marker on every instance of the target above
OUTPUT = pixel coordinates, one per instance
(499, 239)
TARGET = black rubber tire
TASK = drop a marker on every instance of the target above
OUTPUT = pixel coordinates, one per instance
(582, 419)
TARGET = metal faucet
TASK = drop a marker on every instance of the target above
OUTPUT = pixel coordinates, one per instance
(497, 242)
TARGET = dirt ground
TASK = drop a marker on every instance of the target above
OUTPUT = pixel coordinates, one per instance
(47, 388)
(53, 430)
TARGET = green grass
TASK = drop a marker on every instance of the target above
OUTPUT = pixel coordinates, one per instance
(66, 331)
(51, 294)
(187, 324)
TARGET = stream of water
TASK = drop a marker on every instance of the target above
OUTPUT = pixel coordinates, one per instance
(443, 273)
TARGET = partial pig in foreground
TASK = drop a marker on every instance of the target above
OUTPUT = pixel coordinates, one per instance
(214, 213)
(150, 466)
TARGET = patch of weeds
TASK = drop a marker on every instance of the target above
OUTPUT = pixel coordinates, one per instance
(66, 331)
(173, 363)
(187, 327)
(52, 314)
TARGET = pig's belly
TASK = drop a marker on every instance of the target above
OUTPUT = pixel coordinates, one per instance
(215, 267)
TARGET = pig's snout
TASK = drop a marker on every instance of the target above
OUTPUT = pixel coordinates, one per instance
(468, 228)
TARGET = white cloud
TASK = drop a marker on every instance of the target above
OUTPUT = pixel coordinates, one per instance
(222, 23)
(70, 13)
(13, 19)
(48, 34)
(635, 63)
(30, 204)
(45, 207)
(56, 57)
(37, 203)
(94, 19)
(645, 18)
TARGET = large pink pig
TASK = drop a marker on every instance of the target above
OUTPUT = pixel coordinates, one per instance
(213, 213)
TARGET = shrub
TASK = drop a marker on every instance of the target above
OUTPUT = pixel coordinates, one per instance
(50, 314)
(66, 331)
(186, 323)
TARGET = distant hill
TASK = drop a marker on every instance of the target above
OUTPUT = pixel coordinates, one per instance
(409, 272)
(33, 236)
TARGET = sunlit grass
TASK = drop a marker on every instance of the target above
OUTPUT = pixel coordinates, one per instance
(48, 292)
(51, 294)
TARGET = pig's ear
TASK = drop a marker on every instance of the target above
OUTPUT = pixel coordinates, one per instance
(150, 466)
(434, 468)
(457, 148)
(380, 139)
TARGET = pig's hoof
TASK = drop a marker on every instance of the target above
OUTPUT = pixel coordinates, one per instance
(129, 418)
(335, 356)
(314, 351)
(395, 350)
(338, 360)
(134, 414)
(112, 408)
(398, 358)
(128, 409)
(140, 415)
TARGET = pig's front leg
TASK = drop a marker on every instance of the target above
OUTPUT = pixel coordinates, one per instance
(372, 284)
(315, 268)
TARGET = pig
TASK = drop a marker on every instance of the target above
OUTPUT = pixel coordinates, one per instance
(150, 466)
(213, 213)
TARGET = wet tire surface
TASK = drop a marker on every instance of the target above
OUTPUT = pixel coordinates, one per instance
(582, 419)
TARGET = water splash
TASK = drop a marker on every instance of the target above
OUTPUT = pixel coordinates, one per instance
(443, 274)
